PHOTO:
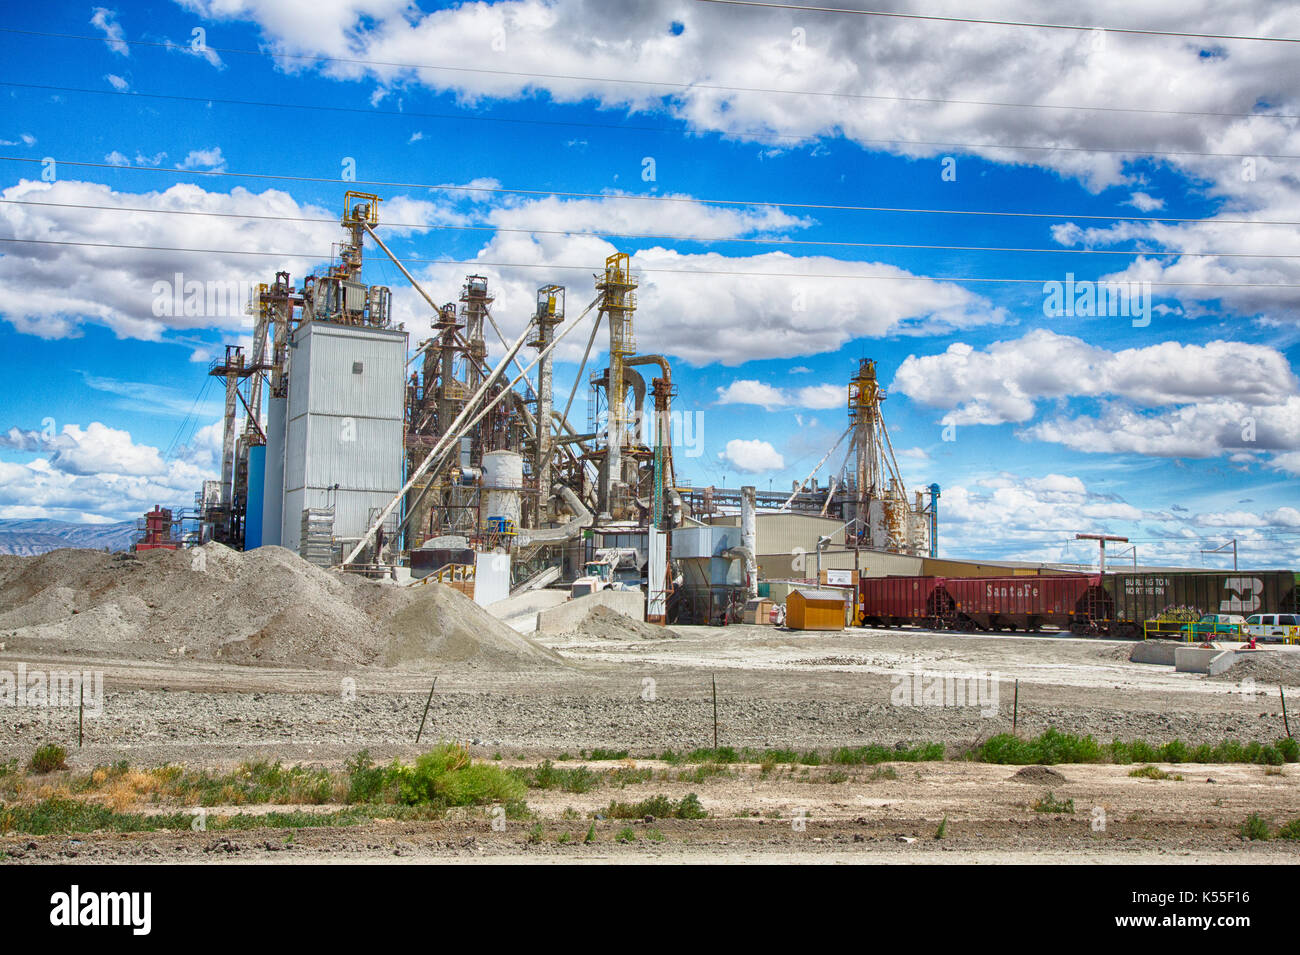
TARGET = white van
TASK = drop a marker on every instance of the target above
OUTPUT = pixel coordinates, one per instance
(1274, 626)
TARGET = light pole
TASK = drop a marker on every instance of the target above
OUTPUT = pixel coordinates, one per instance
(1101, 538)
(1218, 550)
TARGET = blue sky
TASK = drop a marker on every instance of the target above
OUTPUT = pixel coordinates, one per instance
(1058, 424)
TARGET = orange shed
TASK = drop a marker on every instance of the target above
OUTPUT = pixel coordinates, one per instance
(809, 609)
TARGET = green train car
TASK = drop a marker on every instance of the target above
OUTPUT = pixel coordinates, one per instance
(1124, 602)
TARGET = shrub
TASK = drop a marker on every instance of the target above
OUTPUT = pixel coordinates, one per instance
(48, 758)
(1254, 828)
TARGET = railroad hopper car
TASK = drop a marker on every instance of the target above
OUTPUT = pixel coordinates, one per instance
(1130, 600)
(895, 601)
(1116, 605)
(1018, 603)
(976, 603)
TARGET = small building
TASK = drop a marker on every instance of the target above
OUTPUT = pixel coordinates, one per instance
(810, 609)
(758, 610)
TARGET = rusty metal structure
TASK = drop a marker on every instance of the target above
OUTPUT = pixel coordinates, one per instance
(479, 455)
(867, 492)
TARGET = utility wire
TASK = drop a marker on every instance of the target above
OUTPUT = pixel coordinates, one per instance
(431, 227)
(479, 263)
(668, 84)
(640, 197)
(1001, 23)
(478, 118)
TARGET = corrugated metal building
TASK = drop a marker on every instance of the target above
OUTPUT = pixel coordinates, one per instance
(344, 425)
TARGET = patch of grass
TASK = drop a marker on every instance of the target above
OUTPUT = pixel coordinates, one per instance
(883, 772)
(943, 829)
(654, 835)
(536, 833)
(1284, 750)
(61, 815)
(365, 780)
(659, 807)
(579, 779)
(591, 834)
(1255, 828)
(1051, 747)
(875, 753)
(606, 754)
(1153, 772)
(702, 773)
(446, 776)
(48, 758)
(626, 834)
(1050, 803)
(1289, 830)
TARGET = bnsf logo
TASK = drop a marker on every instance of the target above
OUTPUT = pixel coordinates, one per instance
(1026, 591)
(1245, 595)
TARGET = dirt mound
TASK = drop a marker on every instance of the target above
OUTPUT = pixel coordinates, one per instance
(606, 624)
(1266, 667)
(266, 606)
(467, 635)
(1039, 775)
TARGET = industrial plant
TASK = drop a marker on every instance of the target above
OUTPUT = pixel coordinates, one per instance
(392, 452)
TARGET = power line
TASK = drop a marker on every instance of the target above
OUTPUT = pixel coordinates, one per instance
(713, 87)
(1002, 23)
(426, 226)
(407, 114)
(641, 197)
(480, 263)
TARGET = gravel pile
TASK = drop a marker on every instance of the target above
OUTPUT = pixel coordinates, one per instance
(1266, 667)
(605, 624)
(266, 606)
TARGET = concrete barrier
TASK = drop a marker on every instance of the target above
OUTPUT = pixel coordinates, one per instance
(1198, 660)
(1155, 651)
(568, 615)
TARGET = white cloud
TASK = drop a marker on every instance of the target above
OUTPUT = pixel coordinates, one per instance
(99, 473)
(115, 81)
(55, 289)
(106, 21)
(1005, 381)
(205, 159)
(722, 73)
(1144, 202)
(752, 456)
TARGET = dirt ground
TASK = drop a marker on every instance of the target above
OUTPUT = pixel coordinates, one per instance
(775, 689)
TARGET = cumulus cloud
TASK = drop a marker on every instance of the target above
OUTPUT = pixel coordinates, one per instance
(752, 456)
(1165, 400)
(97, 472)
(55, 289)
(205, 159)
(881, 84)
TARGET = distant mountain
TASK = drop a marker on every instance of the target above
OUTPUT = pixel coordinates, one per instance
(29, 538)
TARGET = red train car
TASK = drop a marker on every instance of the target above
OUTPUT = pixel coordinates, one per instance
(894, 601)
(1018, 603)
(978, 603)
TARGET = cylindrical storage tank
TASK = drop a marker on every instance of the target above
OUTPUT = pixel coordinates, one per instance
(273, 479)
(256, 489)
(503, 481)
